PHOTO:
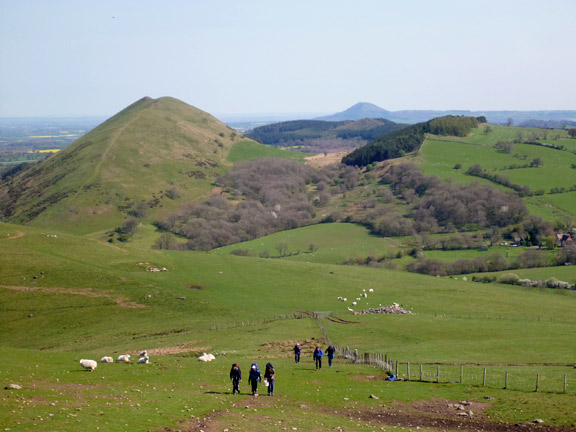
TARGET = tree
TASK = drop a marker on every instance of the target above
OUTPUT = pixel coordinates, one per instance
(487, 130)
(510, 121)
(282, 248)
(572, 132)
(536, 162)
(165, 241)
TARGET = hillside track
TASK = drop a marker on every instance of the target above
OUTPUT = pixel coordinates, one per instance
(341, 321)
(88, 292)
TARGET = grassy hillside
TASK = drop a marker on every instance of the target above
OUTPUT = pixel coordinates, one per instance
(149, 157)
(65, 297)
(245, 150)
(440, 155)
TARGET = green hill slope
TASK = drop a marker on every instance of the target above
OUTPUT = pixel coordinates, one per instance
(148, 157)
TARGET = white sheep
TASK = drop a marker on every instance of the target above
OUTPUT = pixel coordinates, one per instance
(350, 310)
(353, 303)
(144, 353)
(344, 299)
(370, 290)
(365, 295)
(144, 360)
(89, 364)
(206, 357)
(106, 359)
(124, 358)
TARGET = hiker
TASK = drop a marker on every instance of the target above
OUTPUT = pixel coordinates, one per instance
(390, 377)
(318, 353)
(254, 378)
(297, 350)
(236, 377)
(269, 375)
(330, 351)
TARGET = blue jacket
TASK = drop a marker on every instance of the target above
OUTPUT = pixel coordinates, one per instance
(318, 353)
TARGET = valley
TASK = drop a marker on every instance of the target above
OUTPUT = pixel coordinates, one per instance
(164, 230)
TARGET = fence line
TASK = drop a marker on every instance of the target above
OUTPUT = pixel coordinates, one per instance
(505, 377)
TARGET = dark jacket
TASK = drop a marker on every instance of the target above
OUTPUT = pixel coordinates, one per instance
(254, 376)
(318, 353)
(235, 373)
(330, 351)
(296, 349)
(270, 372)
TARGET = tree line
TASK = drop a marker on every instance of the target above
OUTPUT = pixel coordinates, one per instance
(409, 139)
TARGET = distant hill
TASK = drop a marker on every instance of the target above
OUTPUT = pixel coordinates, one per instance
(368, 110)
(319, 135)
(359, 111)
(145, 159)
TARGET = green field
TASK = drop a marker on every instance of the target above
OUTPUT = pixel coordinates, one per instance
(245, 150)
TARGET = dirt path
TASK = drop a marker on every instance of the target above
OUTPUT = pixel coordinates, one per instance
(88, 292)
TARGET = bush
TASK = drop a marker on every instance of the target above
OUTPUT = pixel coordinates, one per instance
(508, 278)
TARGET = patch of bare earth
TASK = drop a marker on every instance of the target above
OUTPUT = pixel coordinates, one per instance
(88, 292)
(445, 415)
(179, 349)
(322, 160)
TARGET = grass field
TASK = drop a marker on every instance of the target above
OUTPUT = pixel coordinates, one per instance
(245, 150)
(91, 299)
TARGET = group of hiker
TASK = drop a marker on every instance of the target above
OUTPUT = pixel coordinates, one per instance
(254, 376)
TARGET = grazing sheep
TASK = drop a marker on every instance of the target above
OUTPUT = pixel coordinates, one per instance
(107, 359)
(144, 360)
(344, 299)
(353, 303)
(350, 310)
(144, 353)
(89, 364)
(124, 358)
(370, 290)
(206, 357)
(365, 295)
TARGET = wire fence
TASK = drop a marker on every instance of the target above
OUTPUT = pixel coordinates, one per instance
(543, 378)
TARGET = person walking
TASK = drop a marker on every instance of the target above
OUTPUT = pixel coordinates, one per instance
(270, 375)
(297, 350)
(318, 353)
(236, 377)
(254, 378)
(330, 352)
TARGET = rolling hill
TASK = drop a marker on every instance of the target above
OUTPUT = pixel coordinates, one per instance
(149, 157)
(320, 136)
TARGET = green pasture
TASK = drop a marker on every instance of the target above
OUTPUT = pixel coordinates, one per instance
(177, 391)
(245, 150)
(91, 299)
(334, 243)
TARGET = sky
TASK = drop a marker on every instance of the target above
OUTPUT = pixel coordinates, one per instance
(93, 58)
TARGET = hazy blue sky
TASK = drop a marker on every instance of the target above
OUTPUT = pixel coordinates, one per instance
(72, 57)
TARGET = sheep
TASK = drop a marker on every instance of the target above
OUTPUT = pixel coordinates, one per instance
(124, 358)
(353, 303)
(89, 364)
(344, 299)
(350, 310)
(371, 290)
(106, 359)
(144, 353)
(144, 360)
(206, 357)
(365, 295)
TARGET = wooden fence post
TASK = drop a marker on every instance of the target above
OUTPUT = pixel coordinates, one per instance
(408, 370)
(461, 374)
(537, 381)
(564, 383)
(438, 373)
(484, 378)
(506, 381)
(420, 372)
(396, 368)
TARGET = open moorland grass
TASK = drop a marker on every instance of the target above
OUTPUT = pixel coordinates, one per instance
(66, 297)
(245, 150)
(332, 243)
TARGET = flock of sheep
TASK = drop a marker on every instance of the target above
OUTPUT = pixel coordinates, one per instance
(354, 303)
(124, 358)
